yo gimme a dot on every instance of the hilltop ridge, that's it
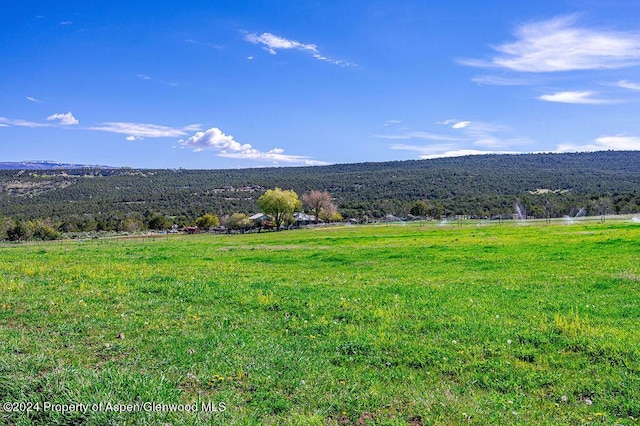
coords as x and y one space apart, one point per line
483 185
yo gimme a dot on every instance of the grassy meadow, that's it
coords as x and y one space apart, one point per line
391 325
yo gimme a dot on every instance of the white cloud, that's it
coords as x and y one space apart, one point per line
10 122
585 97
466 137
619 142
143 130
559 44
148 78
228 147
465 152
272 43
31 99
195 42
214 138
604 143
418 135
464 132
484 134
423 150
444 150
192 128
496 80
461 125
627 85
274 155
64 119
391 122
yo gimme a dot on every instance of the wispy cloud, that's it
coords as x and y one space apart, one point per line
496 80
211 139
391 122
423 150
272 43
485 134
442 151
198 43
463 131
66 23
137 131
461 125
148 78
560 44
604 143
10 122
585 97
465 152
64 119
466 137
31 99
226 146
408 135
627 85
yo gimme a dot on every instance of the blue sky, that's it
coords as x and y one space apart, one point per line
229 84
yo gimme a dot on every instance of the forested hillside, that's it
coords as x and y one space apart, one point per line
482 186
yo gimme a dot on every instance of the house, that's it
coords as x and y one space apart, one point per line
303 219
192 230
261 220
259 217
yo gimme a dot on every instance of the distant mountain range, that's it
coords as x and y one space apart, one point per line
483 186
47 165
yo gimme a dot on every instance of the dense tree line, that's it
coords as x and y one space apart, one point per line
545 185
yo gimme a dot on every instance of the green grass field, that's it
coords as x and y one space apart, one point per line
397 325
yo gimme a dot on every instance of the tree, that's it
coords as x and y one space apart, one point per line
43 230
329 213
279 204
130 224
5 225
436 209
319 201
159 222
239 221
207 221
335 217
20 232
419 208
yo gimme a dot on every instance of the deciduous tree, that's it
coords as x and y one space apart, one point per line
207 221
238 221
319 201
279 204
